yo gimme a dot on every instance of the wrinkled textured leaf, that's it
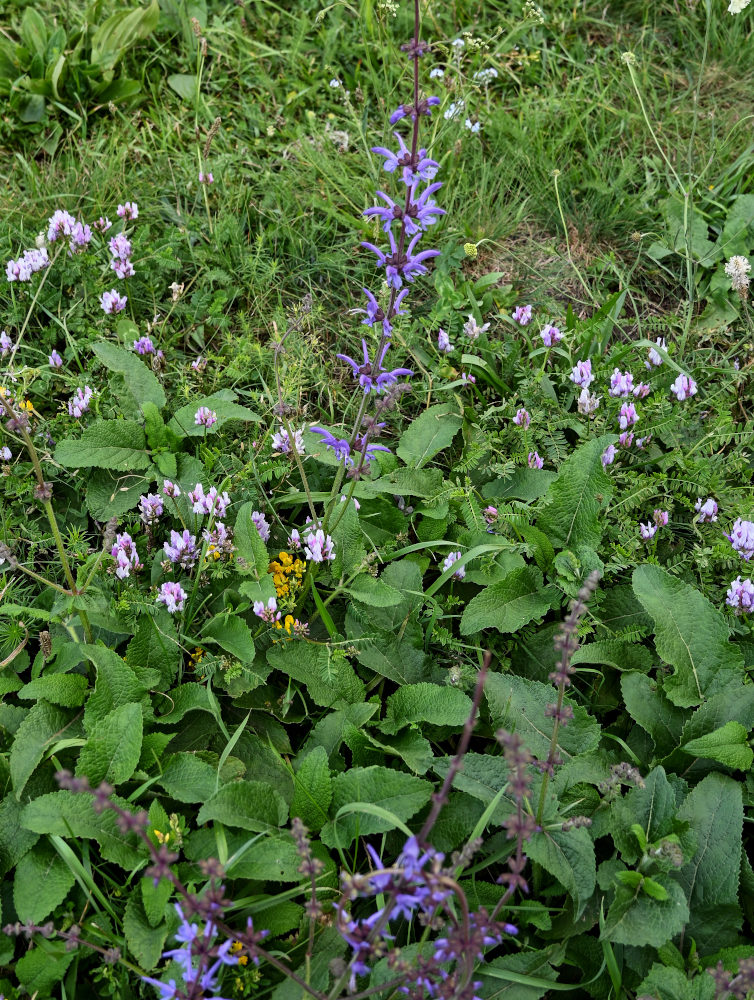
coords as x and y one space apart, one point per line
114 746
42 728
635 918
646 703
66 690
727 745
141 382
403 795
250 805
428 434
510 604
106 444
328 678
313 790
188 778
577 499
429 703
144 940
41 883
569 857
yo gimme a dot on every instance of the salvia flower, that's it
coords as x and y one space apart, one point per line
550 335
78 404
413 110
608 455
581 374
443 342
621 383
653 358
267 612
204 417
130 210
150 508
319 547
683 388
648 530
741 537
125 555
401 264
522 418
55 360
420 212
628 416
534 461
740 595
373 376
414 168
452 558
181 549
522 315
472 329
113 301
706 509
281 442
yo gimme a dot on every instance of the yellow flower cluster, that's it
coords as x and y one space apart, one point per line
287 574
234 950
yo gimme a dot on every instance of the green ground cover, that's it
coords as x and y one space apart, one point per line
595 162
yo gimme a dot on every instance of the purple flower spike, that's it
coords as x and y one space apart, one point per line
415 168
373 376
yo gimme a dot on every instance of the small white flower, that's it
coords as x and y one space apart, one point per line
334 83
736 6
436 73
738 269
472 126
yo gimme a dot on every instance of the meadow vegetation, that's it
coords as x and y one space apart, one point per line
377 508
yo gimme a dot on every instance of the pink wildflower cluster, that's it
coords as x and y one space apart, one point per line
79 402
319 547
211 502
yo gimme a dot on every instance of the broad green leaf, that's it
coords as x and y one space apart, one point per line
727 745
397 659
42 881
399 795
313 790
67 815
106 444
510 604
143 940
156 647
251 552
40 968
428 703
734 704
221 403
635 918
652 807
524 484
569 857
690 635
188 778
114 746
66 690
250 805
647 704
140 381
42 728
350 551
674 983
428 434
330 731
519 704
119 32
714 810
110 495
231 634
15 841
483 777
377 593
184 84
190 697
328 677
402 482
573 512
615 653
117 684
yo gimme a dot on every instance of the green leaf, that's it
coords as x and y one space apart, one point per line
518 704
510 604
674 984
106 444
734 704
191 697
400 795
222 403
41 883
635 918
40 968
647 704
714 810
313 790
251 552
66 690
615 653
524 484
654 889
727 745
328 677
429 703
651 807
15 841
156 647
232 634
574 507
690 635
377 593
250 805
110 495
188 778
117 684
423 483
428 434
141 382
114 747
44 726
350 552
569 857
145 941
67 815
184 84
119 32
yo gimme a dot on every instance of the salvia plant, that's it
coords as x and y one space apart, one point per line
420 667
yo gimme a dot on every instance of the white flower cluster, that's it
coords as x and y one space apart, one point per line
736 6
738 269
